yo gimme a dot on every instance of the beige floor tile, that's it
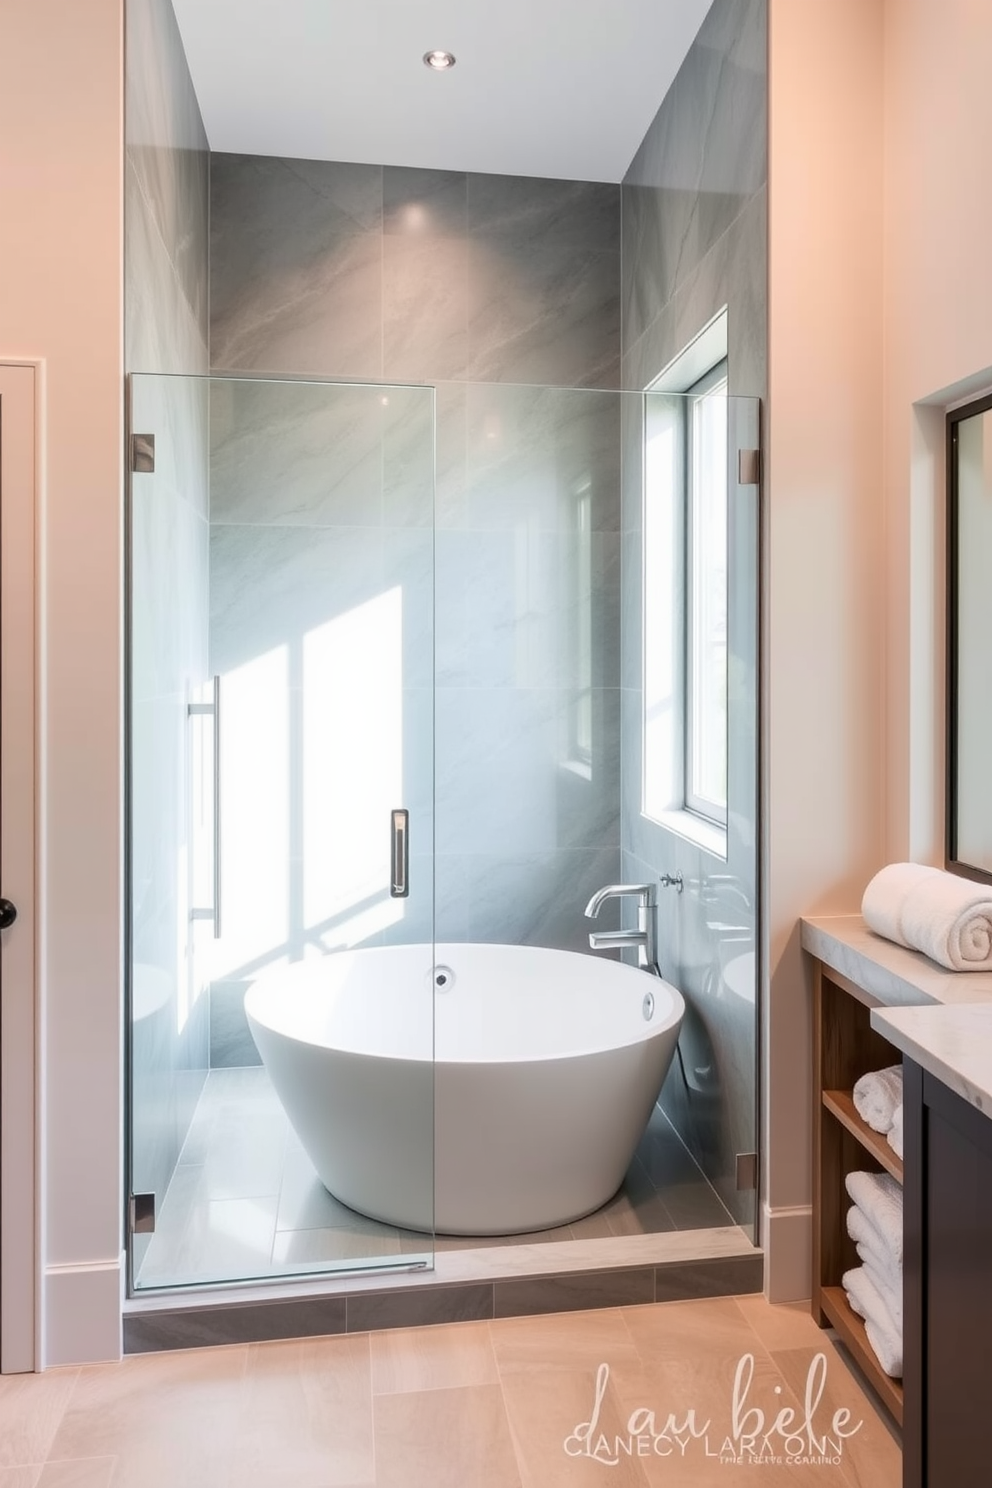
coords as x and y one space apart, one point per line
872 1457
561 1341
85 1472
168 1418
549 1415
31 1408
713 1327
433 1358
782 1325
444 1439
19 1477
306 1417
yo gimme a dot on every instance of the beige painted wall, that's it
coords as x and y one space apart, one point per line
823 599
938 347
880 315
61 159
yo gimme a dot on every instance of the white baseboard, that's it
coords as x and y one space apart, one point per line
787 1237
82 1314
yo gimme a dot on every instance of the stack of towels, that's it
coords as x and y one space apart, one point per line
874 1289
946 917
874 1223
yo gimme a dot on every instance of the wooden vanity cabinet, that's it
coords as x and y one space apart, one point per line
845 1046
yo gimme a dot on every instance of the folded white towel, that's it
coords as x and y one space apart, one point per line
887 1284
879 1197
871 1247
946 917
894 1134
884 1334
876 1096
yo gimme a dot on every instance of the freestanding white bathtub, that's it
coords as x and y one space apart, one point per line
472 1089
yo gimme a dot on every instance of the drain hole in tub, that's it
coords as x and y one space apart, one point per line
647 1006
443 978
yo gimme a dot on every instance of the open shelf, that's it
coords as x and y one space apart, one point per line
841 1105
851 1329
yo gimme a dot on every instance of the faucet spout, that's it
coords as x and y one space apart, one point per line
644 892
644 937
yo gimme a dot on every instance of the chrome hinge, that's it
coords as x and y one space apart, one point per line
749 467
143 454
141 1214
747 1170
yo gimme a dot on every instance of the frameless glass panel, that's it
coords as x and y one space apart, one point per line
282 887
694 528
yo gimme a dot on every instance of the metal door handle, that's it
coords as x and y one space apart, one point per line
399 856
8 914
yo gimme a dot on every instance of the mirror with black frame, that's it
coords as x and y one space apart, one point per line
969 634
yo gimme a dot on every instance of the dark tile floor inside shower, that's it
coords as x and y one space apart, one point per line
245 1201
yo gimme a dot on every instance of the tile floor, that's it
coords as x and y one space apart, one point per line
464 1405
245 1201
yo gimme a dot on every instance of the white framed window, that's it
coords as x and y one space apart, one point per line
684 609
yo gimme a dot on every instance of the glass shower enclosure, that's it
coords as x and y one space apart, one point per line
280 791
409 668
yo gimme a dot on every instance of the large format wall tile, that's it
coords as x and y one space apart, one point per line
167 151
543 314
296 266
703 158
514 607
353 271
694 241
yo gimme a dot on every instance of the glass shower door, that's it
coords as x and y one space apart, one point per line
281 763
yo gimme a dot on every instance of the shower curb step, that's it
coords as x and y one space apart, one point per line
205 1324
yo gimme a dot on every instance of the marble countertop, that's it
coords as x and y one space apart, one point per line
896 976
953 1043
941 1019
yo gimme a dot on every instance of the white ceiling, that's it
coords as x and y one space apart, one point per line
541 88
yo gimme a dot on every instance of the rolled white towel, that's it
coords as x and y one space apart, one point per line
946 917
879 1197
894 1134
950 920
886 894
876 1096
884 1334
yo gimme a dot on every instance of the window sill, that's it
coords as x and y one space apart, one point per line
705 834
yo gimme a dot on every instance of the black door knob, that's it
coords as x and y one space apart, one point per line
8 914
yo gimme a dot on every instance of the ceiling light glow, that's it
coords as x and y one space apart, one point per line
439 61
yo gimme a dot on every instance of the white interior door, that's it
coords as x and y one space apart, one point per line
18 1221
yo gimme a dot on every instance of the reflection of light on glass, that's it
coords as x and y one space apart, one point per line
658 611
352 768
581 751
255 803
491 426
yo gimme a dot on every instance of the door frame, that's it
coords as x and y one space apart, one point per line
20 1147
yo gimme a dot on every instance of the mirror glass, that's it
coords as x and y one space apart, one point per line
969 844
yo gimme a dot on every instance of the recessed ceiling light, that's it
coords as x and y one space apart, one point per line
439 61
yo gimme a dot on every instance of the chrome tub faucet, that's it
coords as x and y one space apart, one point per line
645 937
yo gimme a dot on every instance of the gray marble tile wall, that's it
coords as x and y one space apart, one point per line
503 294
394 274
694 206
166 332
